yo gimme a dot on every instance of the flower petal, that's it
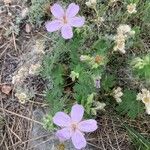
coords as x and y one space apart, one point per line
147 106
72 10
67 32
77 21
61 119
77 112
78 140
88 125
52 26
63 134
57 11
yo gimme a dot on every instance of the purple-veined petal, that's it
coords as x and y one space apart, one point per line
57 11
72 10
67 32
63 134
78 140
88 125
77 21
52 26
61 119
77 112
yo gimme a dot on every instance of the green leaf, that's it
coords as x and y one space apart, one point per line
57 75
143 70
101 46
108 82
37 11
90 99
54 98
130 105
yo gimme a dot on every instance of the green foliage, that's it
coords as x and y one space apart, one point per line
85 86
108 82
13 30
54 96
145 12
48 122
51 60
55 100
130 105
101 46
53 71
139 141
89 103
64 59
74 79
38 11
141 67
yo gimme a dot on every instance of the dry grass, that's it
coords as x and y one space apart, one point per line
113 136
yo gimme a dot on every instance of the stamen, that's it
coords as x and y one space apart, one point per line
65 19
98 59
74 126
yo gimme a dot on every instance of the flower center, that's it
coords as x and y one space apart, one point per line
74 127
131 7
65 19
98 59
146 100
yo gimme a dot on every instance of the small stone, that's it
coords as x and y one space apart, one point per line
28 28
7 2
6 89
24 12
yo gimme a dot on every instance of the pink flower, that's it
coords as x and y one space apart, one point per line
65 20
73 127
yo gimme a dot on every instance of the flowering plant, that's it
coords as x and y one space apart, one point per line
144 96
65 20
73 126
86 69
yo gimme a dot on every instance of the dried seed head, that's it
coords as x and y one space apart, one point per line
131 8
